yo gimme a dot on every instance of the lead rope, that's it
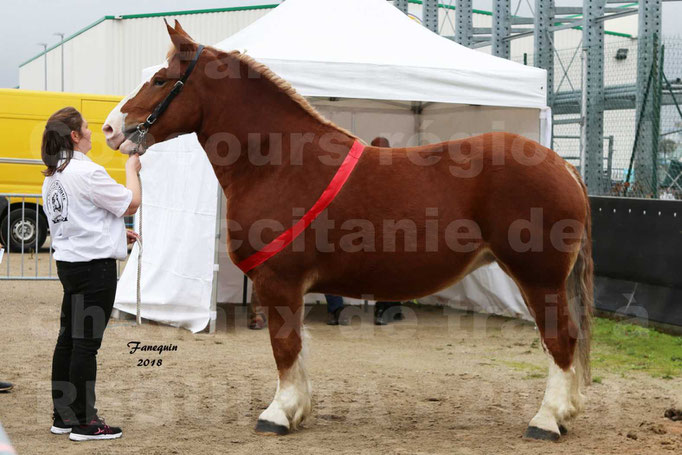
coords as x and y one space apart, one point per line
138 137
139 257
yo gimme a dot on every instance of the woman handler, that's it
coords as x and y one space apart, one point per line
85 209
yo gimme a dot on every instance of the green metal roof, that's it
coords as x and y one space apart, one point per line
243 8
195 11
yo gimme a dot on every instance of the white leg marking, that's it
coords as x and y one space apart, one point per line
293 399
562 400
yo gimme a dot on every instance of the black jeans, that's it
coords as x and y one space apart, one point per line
89 291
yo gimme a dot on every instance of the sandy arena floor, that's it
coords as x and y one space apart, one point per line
438 382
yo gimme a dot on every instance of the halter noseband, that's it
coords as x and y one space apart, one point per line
138 135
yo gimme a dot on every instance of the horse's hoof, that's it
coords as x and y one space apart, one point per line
264 426
563 430
539 433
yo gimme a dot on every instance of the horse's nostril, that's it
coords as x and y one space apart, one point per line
108 131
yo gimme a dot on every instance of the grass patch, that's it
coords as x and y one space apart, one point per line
535 376
620 347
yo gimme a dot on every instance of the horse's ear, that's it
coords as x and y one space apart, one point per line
178 36
179 29
170 29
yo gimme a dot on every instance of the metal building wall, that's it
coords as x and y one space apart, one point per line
207 28
86 62
109 57
31 75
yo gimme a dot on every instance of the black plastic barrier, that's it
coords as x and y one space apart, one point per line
637 250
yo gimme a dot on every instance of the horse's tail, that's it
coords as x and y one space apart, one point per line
580 287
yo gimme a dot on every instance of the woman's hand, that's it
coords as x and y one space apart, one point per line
133 163
133 167
132 236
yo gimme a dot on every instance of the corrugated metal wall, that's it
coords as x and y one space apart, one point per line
132 58
109 57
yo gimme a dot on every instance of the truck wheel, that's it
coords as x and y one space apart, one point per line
23 229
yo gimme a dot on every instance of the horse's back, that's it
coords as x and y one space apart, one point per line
473 176
443 208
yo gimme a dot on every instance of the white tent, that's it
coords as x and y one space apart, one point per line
368 49
367 67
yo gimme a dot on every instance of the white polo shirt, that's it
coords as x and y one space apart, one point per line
84 208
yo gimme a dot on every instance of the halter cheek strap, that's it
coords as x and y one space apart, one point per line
326 198
141 130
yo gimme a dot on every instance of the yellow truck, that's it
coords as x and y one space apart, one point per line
23 114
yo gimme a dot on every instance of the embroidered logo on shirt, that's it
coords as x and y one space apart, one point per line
57 203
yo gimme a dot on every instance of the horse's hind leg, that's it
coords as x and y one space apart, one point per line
292 401
562 400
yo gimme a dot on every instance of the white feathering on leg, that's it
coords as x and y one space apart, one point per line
562 400
293 399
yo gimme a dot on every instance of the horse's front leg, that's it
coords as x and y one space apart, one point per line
292 402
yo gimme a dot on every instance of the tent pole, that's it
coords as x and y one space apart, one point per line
417 110
245 290
216 263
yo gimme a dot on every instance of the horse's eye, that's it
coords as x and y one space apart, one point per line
159 82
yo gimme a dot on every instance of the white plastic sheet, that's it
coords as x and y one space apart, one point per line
179 191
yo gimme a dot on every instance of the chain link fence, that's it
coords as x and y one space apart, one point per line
670 144
642 150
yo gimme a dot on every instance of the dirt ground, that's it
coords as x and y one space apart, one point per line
439 382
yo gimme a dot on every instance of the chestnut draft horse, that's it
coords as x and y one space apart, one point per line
387 224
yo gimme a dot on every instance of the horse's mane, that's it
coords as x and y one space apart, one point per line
285 87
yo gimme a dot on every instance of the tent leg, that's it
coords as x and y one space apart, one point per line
216 263
417 110
245 289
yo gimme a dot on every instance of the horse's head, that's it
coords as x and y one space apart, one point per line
130 125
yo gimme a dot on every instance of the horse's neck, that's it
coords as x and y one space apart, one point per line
270 147
279 150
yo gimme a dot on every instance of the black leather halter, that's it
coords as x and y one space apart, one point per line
138 134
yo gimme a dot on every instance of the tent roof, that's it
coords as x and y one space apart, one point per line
368 49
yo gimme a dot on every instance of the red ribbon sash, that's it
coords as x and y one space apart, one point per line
322 203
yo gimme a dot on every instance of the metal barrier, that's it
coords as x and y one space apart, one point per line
21 235
23 229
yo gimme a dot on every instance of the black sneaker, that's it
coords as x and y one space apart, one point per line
96 429
61 426
379 319
6 386
337 317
